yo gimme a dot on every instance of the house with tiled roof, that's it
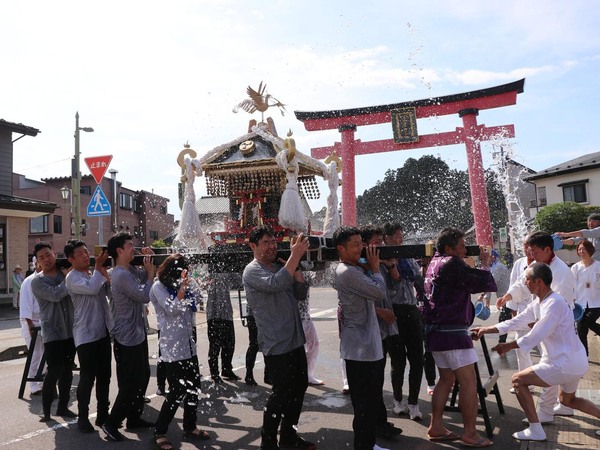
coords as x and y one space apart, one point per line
15 211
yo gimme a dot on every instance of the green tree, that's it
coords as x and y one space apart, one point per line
566 216
426 195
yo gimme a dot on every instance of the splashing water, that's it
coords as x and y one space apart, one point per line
510 178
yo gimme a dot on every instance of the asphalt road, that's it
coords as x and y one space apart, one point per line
232 413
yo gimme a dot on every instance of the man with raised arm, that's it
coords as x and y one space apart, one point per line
448 314
91 325
130 288
361 346
269 293
56 317
592 234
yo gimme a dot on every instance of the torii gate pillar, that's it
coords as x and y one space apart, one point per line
349 181
479 198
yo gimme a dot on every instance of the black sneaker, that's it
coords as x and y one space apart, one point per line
112 433
230 375
45 418
138 423
250 381
387 430
85 426
296 442
66 413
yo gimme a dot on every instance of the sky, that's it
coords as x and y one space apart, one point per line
150 76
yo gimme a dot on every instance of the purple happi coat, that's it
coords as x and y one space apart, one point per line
448 310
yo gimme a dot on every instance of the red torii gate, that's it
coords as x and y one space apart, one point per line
403 117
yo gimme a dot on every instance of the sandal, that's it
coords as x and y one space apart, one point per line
196 433
162 443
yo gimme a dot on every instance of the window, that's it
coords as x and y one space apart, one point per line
136 231
137 206
38 225
57 224
542 199
125 201
575 191
153 234
163 209
87 190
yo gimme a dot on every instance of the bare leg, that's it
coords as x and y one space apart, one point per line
579 403
468 402
521 382
438 402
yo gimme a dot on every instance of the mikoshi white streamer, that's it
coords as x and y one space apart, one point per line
332 214
190 230
291 210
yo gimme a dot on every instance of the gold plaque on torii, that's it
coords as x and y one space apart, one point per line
404 124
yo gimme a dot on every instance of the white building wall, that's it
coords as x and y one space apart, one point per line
554 192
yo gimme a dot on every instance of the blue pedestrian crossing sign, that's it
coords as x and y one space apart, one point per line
99 204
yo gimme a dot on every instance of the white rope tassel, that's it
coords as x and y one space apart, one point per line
332 215
190 231
291 210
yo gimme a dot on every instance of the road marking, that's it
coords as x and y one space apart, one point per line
325 312
33 434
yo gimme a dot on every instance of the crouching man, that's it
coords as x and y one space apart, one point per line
564 362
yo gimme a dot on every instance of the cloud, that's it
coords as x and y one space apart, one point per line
482 77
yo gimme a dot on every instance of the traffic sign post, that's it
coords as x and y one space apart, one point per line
99 205
98 166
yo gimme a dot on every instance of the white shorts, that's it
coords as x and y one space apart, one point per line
554 376
455 359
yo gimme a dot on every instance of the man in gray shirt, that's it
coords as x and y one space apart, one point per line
56 318
91 325
130 288
360 340
269 293
592 234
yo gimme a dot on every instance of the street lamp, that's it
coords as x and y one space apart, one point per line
76 177
65 193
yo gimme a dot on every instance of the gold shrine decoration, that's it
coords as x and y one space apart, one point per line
404 124
290 145
181 159
260 100
247 148
338 161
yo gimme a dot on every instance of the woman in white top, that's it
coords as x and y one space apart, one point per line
175 305
587 290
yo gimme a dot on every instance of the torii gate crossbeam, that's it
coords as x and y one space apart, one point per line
467 105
